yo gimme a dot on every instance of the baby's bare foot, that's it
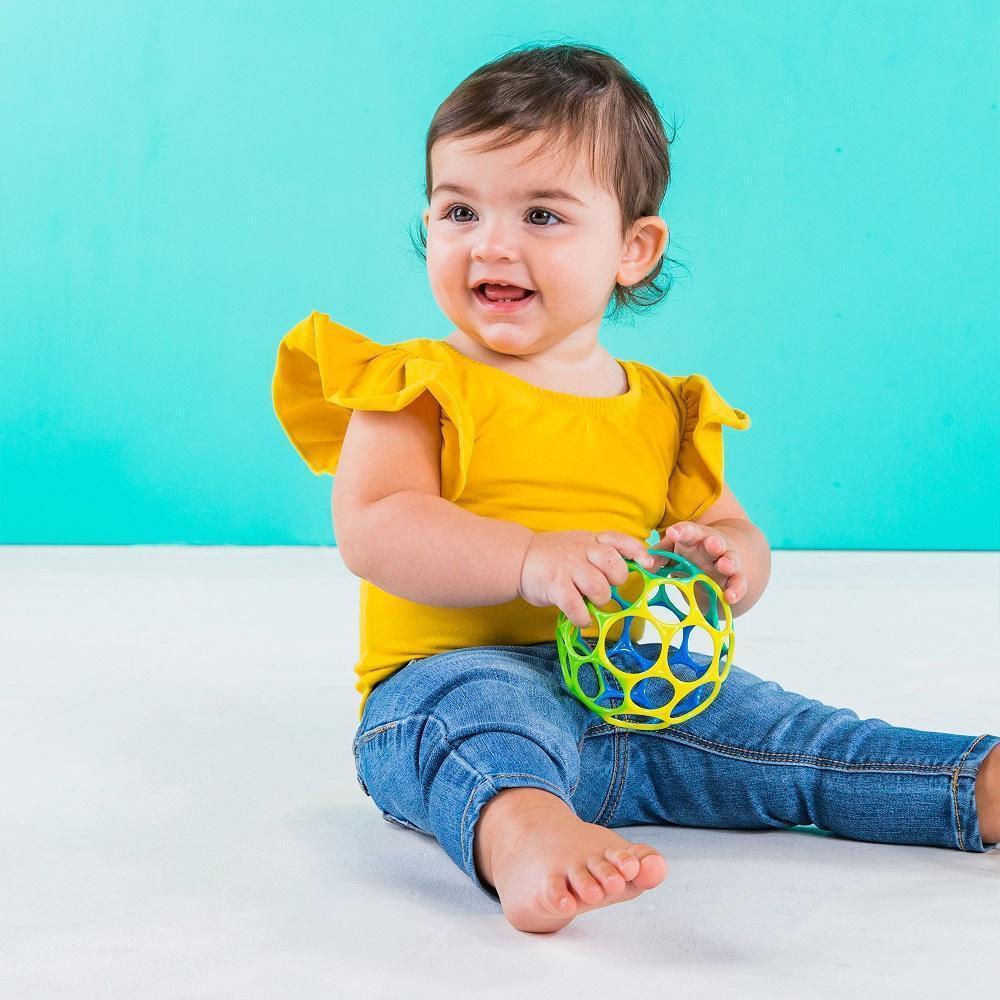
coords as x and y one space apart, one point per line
548 865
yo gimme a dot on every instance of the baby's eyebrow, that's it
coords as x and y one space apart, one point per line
548 194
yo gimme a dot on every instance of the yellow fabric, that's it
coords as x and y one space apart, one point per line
549 460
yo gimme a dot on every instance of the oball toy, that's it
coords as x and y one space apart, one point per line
616 681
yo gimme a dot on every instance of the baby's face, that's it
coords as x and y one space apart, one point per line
499 227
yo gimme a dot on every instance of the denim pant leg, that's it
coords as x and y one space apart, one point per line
760 756
444 734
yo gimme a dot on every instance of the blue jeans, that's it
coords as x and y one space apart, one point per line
444 734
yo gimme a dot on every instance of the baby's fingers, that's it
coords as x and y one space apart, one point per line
628 548
684 533
570 601
713 541
736 588
729 563
687 533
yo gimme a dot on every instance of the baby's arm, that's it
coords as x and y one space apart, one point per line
395 529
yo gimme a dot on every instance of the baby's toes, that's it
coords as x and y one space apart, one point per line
605 872
652 866
587 888
624 860
556 896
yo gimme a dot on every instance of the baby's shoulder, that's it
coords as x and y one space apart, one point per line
694 396
325 370
659 387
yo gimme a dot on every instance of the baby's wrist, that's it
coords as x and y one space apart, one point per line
528 539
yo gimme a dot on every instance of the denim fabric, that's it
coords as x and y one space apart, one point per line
445 733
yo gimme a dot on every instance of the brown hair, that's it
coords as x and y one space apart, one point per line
587 100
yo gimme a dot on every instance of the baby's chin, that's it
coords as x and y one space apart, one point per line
500 337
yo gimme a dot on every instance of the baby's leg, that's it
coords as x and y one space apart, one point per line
480 748
760 756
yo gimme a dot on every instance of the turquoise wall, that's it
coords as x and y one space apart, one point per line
181 183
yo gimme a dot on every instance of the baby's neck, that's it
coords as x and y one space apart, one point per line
596 374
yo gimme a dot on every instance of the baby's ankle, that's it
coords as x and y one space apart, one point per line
988 797
499 818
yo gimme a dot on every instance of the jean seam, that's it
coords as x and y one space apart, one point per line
369 733
405 824
615 744
954 789
769 756
624 778
598 729
357 770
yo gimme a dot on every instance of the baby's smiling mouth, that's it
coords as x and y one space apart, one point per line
502 292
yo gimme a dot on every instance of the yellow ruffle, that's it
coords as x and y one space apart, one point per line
325 370
697 479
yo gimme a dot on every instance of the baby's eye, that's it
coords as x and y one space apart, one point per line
454 208
542 211
450 215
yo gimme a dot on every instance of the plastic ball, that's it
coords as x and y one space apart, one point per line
616 681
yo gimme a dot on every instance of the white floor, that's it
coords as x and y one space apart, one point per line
181 818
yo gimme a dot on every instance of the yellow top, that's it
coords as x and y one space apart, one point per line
511 450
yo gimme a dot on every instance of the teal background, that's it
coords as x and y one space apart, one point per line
181 183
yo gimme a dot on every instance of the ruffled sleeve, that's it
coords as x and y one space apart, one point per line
697 477
325 370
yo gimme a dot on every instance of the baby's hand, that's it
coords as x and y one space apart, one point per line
712 551
561 568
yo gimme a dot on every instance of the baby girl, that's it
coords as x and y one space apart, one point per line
489 480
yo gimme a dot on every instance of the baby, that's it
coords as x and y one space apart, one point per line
488 480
